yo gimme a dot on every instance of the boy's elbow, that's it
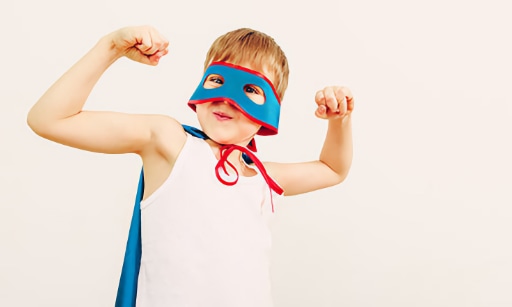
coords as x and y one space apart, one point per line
31 121
343 170
338 173
341 176
36 123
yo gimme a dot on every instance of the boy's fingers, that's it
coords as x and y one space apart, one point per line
164 46
152 46
154 59
345 92
144 41
160 43
350 104
332 102
321 112
319 98
151 42
342 105
348 97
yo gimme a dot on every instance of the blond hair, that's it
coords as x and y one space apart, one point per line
248 45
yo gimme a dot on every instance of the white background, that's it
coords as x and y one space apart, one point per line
424 218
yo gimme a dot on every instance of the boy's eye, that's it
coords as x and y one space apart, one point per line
213 81
217 80
255 93
251 89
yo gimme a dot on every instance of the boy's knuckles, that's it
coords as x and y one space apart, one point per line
332 104
319 98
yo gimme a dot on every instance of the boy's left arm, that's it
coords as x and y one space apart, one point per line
335 104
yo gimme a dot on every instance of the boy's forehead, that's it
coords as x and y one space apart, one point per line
262 69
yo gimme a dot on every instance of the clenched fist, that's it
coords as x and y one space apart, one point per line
334 102
143 44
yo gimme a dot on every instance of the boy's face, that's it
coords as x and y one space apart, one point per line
225 123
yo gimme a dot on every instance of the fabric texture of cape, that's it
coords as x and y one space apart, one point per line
127 289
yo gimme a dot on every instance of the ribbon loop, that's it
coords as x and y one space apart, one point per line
221 164
225 151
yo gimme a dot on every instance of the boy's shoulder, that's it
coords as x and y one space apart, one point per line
168 136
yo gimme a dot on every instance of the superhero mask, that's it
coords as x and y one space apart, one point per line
236 78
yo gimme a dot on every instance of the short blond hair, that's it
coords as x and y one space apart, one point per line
258 48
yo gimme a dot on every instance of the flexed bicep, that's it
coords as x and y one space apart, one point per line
104 132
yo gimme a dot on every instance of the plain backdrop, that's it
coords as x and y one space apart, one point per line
424 218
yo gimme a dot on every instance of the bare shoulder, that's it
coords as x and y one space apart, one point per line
168 136
167 140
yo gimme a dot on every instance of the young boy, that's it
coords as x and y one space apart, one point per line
205 239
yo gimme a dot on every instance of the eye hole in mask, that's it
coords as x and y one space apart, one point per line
213 81
253 92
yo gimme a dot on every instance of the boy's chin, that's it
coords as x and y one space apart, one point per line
228 138
222 140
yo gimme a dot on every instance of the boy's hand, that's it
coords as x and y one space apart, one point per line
143 44
334 102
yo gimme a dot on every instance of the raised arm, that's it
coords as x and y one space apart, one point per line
58 115
335 104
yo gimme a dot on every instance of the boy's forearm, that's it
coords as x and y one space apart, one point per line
337 149
68 94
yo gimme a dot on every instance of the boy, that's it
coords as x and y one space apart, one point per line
205 240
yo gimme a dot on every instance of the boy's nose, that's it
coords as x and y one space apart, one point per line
226 102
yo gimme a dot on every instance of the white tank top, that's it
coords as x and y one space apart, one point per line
205 244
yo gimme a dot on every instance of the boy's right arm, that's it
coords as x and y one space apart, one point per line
58 115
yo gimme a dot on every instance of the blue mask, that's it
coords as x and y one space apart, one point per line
233 91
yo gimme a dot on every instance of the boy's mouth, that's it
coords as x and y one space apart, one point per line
222 116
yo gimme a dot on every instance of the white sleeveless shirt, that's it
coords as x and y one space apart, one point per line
205 244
